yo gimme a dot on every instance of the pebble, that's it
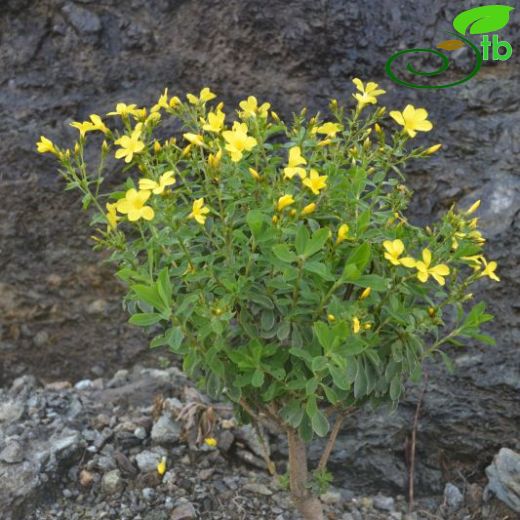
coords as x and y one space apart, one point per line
166 430
84 384
185 511
384 503
147 460
13 453
257 488
112 482
331 497
453 497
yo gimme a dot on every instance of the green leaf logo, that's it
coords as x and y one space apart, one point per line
480 20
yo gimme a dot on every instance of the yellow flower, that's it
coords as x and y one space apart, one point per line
205 95
473 208
329 129
356 325
293 165
130 145
214 159
215 121
199 211
133 205
310 208
111 215
195 139
412 119
315 182
210 441
83 128
45 145
275 116
254 174
275 219
394 249
365 294
123 110
342 233
97 124
161 467
166 179
367 94
489 270
331 317
250 108
156 146
433 149
438 272
284 201
237 141
161 103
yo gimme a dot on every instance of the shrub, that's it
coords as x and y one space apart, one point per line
276 259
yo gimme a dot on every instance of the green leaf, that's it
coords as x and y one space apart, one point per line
319 363
305 429
317 242
145 319
448 363
484 19
339 377
258 378
320 424
374 281
267 319
283 253
360 256
395 388
149 295
261 299
302 237
174 337
283 331
164 287
360 383
255 220
324 334
350 274
320 269
292 413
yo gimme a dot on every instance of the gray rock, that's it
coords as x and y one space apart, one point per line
149 494
13 452
453 497
112 483
257 488
332 496
384 503
504 478
166 430
83 20
84 384
185 511
11 411
147 460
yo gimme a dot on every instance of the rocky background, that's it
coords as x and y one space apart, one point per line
60 315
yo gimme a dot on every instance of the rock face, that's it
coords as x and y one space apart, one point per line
64 60
504 478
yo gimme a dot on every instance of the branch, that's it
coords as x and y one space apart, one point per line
332 437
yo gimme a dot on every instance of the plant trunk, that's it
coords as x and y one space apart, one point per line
307 504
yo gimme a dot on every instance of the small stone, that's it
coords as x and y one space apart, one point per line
41 338
57 386
67 493
97 307
453 497
84 384
184 512
112 482
504 478
148 494
204 474
83 20
384 503
13 453
366 502
120 378
140 433
147 460
257 488
225 440
331 497
166 430
11 411
86 478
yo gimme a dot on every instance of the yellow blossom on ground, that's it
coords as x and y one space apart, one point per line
111 215
161 103
254 174
489 270
250 108
310 208
199 211
315 182
210 441
215 121
412 119
130 145
166 179
45 145
195 139
356 325
161 467
394 249
438 272
367 94
284 201
342 233
473 208
329 129
133 205
294 164
365 293
214 159
124 110
432 149
237 141
204 95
